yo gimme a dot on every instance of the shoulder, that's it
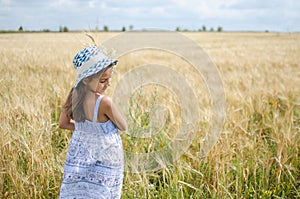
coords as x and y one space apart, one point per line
106 102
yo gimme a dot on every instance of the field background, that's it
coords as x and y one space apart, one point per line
257 155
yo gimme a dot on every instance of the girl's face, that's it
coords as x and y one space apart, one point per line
100 84
104 81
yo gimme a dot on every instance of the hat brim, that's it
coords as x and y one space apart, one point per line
95 69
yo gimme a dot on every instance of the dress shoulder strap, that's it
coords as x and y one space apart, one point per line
97 108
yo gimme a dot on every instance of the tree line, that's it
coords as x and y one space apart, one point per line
107 29
204 29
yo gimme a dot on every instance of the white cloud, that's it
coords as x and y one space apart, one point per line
61 3
92 3
5 2
4 6
191 14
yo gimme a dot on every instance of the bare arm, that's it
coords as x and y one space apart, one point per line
65 122
113 114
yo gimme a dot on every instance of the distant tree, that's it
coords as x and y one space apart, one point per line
131 27
123 29
20 29
220 29
203 28
177 29
46 30
65 29
105 28
211 29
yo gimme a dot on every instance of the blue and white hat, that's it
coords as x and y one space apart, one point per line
90 61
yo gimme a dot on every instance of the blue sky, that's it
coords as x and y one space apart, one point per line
231 15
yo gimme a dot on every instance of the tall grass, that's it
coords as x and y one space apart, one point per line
257 155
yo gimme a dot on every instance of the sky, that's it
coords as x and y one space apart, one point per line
231 15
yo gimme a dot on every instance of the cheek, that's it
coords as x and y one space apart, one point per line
93 85
100 86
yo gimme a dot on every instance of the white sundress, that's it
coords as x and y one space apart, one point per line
94 165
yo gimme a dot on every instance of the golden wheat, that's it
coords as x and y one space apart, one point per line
257 154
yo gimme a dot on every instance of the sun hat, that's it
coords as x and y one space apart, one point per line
90 61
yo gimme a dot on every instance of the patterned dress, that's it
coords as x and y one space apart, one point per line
95 161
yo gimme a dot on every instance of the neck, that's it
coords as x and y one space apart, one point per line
93 92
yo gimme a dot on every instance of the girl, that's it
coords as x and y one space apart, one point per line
95 162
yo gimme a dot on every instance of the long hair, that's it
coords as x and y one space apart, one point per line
68 104
76 97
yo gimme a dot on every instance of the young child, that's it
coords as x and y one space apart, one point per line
95 161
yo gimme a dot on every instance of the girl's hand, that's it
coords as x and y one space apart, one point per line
65 122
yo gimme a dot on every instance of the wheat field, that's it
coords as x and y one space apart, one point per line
256 156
